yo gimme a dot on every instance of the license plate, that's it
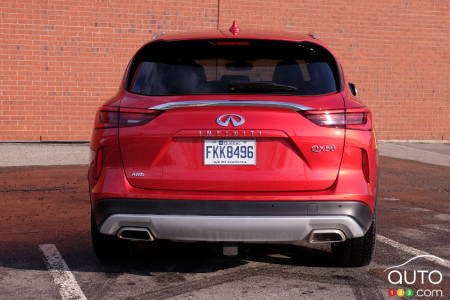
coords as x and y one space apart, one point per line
229 152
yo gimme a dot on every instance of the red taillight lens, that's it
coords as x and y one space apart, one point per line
356 118
326 118
108 117
127 119
350 118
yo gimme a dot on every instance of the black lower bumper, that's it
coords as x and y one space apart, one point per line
357 210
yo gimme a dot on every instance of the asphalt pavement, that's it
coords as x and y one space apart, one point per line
46 154
45 249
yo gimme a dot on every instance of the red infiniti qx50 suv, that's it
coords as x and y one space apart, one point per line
235 137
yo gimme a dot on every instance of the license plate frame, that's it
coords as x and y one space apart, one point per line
243 152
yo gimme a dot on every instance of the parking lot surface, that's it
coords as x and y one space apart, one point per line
44 154
45 249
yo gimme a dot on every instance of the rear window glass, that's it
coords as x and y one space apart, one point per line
233 67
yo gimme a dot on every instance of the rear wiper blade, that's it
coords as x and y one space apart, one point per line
259 86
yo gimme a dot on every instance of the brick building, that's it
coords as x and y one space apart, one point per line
60 59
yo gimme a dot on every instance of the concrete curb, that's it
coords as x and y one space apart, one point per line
44 154
435 154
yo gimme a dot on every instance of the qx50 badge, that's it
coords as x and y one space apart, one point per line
323 148
224 120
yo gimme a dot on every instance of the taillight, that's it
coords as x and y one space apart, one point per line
112 117
107 117
349 118
136 117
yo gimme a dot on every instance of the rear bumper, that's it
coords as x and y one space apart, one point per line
240 221
232 228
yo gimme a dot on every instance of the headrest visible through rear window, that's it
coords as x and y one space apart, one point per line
185 78
288 72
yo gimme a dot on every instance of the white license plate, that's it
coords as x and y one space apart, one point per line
229 152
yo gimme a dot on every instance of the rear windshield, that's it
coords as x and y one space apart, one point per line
233 67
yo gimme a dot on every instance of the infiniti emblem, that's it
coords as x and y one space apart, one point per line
225 119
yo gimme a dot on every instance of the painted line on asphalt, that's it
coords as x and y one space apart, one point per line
413 251
62 276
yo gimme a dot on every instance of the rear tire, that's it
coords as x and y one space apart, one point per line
107 248
356 252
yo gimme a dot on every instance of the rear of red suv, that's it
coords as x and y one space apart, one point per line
234 138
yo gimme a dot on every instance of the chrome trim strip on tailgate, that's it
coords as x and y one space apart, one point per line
288 105
232 228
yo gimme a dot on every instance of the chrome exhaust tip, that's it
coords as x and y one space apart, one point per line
135 234
326 236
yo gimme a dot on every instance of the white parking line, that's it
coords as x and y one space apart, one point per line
69 288
63 278
413 251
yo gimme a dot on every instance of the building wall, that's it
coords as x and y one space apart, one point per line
60 59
